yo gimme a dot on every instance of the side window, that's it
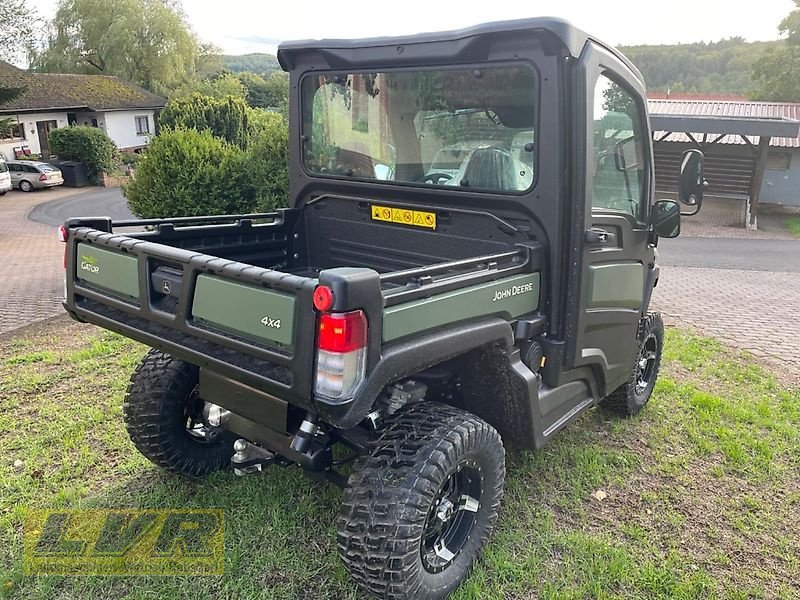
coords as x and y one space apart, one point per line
619 155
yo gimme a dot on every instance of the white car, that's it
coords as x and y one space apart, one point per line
5 178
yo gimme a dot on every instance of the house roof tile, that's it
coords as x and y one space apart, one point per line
50 91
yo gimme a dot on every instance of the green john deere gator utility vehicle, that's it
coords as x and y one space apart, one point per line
466 266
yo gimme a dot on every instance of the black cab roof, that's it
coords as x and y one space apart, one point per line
345 52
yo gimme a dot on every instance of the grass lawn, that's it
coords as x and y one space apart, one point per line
702 490
793 225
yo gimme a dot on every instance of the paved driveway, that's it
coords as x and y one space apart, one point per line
743 292
32 268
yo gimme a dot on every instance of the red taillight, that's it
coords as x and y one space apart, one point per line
341 354
342 332
42 177
323 298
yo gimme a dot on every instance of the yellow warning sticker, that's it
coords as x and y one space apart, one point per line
404 216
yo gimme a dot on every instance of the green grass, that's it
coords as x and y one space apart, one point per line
793 225
702 491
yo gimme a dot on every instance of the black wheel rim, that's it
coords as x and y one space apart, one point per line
195 427
646 364
452 517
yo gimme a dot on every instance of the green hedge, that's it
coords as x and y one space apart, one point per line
227 118
268 160
90 145
189 173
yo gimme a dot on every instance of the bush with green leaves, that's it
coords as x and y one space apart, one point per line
89 145
226 118
186 172
268 159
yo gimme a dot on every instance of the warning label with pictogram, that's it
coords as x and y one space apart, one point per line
404 216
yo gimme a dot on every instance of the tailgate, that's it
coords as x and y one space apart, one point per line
249 323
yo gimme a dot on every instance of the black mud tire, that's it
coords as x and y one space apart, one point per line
628 399
394 490
154 413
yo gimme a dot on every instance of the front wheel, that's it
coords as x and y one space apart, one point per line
632 395
419 509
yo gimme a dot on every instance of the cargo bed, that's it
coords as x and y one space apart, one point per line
235 293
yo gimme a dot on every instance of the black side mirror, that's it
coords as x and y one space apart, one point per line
692 185
666 218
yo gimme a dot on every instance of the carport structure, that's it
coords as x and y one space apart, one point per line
732 169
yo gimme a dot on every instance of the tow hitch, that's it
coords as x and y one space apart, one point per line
249 458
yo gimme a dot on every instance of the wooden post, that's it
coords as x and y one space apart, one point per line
758 180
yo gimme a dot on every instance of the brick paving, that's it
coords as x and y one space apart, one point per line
757 311
31 261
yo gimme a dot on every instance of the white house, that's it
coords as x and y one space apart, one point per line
125 111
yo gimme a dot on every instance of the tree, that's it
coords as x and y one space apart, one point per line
271 93
216 86
7 94
778 70
144 41
227 118
19 25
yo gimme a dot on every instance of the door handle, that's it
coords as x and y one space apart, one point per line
596 236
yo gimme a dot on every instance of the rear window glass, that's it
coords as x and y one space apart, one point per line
456 127
47 168
3 167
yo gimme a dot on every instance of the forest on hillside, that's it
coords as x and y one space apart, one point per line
259 63
723 67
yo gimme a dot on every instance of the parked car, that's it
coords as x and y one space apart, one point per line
29 175
5 178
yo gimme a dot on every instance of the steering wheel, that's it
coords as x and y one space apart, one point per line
436 178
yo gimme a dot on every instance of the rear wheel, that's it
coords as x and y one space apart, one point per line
419 509
632 395
26 186
163 415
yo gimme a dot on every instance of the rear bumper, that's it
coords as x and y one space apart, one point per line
5 186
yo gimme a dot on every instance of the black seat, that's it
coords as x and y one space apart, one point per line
490 168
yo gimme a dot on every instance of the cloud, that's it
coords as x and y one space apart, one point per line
257 39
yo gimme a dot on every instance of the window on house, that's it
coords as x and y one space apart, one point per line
779 161
15 131
142 125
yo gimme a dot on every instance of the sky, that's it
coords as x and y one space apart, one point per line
242 26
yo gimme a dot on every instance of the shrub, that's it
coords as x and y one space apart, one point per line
186 172
227 118
89 145
268 159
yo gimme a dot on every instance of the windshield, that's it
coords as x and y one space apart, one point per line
457 127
